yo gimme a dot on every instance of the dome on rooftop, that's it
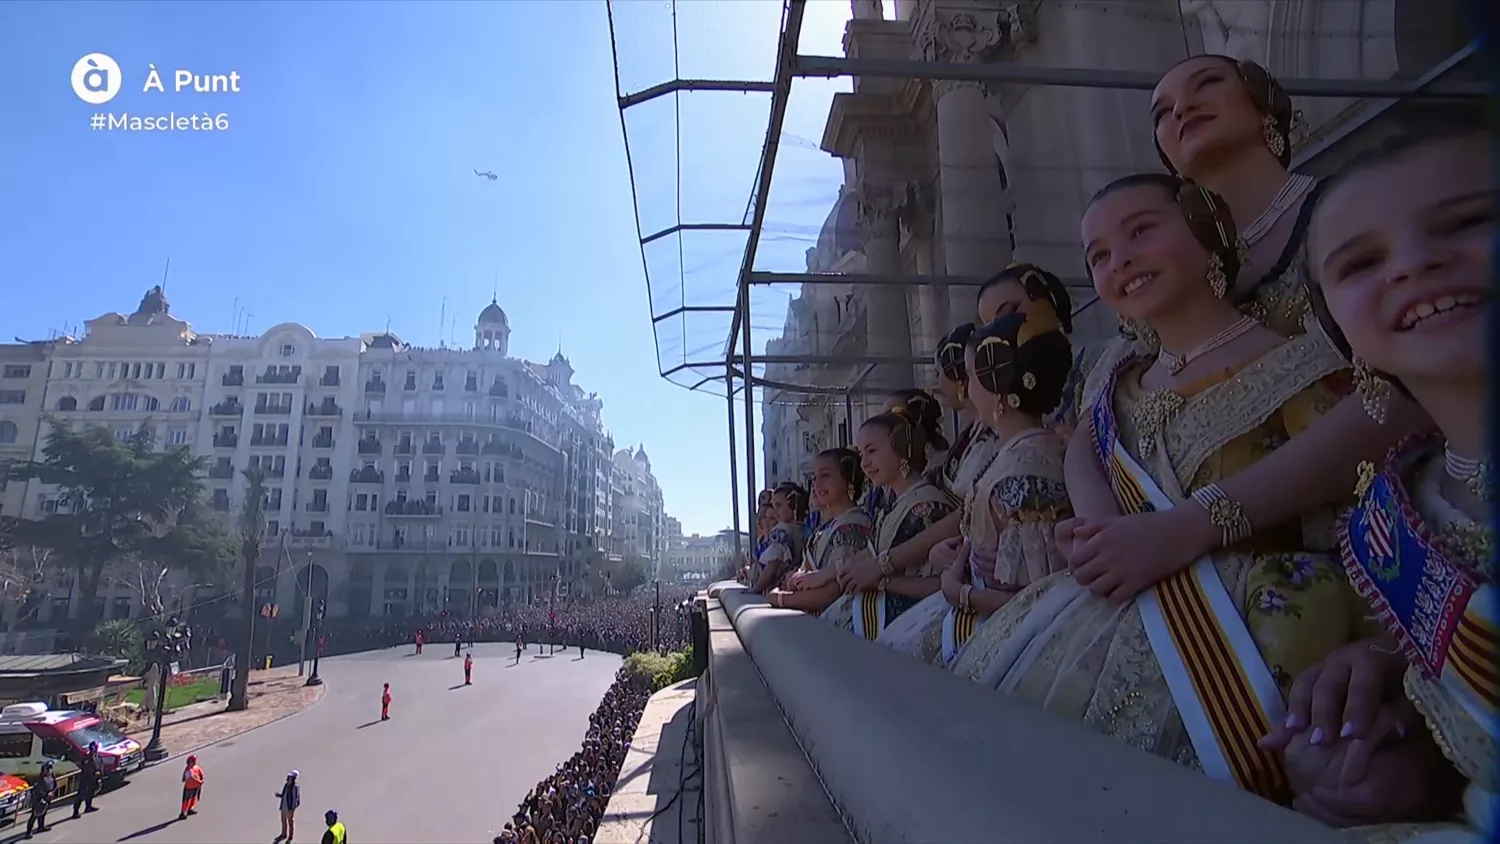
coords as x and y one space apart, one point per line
493 313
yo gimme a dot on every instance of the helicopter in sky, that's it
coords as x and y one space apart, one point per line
491 176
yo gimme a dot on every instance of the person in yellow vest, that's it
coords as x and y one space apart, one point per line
336 833
192 788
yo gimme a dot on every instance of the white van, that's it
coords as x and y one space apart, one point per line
30 734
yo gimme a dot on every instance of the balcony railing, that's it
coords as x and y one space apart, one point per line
403 477
369 446
374 385
309 539
317 506
415 509
227 408
221 472
280 377
501 449
327 408
329 379
464 476
226 440
467 447
275 471
321 441
269 441
477 418
430 477
437 385
274 409
366 476
320 472
232 379
471 386
410 386
499 391
404 447
432 447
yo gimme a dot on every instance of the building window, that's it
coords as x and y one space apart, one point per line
12 396
67 403
181 405
124 401
288 350
176 436
8 432
181 370
123 434
13 370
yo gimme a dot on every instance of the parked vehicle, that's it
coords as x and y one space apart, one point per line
30 734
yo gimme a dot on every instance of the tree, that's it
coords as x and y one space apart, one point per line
23 579
118 500
169 569
252 538
120 638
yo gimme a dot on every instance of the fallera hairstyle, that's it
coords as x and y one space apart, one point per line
847 459
950 353
1024 361
795 496
1040 286
1207 214
925 412
908 439
1392 149
1266 95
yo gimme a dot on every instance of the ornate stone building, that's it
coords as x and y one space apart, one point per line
960 178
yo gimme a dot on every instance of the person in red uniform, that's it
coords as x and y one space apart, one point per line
385 703
420 639
468 669
192 788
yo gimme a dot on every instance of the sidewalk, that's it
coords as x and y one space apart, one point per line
273 695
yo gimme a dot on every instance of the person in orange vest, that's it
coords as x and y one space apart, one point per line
192 788
385 703
468 669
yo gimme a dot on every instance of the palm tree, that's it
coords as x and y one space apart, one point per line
252 536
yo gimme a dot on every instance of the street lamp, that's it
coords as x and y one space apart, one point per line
316 633
163 647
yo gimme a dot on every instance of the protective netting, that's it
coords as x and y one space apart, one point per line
695 156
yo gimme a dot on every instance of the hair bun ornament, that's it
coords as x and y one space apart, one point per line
1212 224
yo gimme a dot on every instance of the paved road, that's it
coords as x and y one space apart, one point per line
449 766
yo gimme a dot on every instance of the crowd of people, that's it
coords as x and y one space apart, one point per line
566 807
1248 534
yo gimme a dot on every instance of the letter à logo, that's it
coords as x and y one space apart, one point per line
96 78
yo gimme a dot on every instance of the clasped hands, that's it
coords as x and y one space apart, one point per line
1119 557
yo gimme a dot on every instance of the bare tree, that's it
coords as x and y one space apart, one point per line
154 585
252 538
23 572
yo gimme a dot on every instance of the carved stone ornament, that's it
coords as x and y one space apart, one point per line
879 206
1019 20
962 36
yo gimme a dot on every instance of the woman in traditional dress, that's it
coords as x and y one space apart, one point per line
925 411
1118 643
1017 367
1016 289
783 545
765 520
843 528
1401 267
893 454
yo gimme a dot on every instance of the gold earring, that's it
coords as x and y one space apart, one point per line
1275 141
1028 380
1218 280
905 469
1374 391
1013 400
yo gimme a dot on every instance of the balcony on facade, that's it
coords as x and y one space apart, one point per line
232 379
328 407
497 448
329 379
221 471
410 384
369 445
437 384
228 407
404 447
499 390
468 447
273 409
414 508
316 506
432 447
274 471
269 441
366 476
226 439
403 477
309 539
375 385
471 385
320 472
290 376
321 440
464 476
430 477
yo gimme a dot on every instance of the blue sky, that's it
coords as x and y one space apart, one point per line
342 195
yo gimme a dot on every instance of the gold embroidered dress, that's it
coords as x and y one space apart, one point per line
903 518
1009 519
1086 659
836 540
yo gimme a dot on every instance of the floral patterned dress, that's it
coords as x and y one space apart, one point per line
904 517
1009 518
836 540
1088 660
783 548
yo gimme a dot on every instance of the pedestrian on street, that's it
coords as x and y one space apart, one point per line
192 788
336 833
385 703
42 792
458 644
89 771
580 647
520 646
468 669
420 639
291 797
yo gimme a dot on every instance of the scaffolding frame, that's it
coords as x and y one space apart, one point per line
739 358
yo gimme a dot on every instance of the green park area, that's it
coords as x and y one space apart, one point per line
178 696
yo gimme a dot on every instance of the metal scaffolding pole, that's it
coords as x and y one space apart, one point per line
786 53
865 279
734 465
1131 80
665 88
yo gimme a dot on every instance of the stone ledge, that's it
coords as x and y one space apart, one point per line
912 753
646 806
